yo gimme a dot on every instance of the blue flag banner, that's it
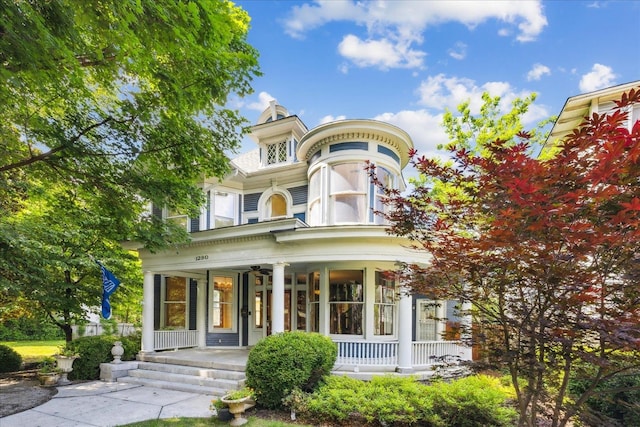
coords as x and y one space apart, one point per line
109 285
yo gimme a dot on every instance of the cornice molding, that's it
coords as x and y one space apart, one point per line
353 136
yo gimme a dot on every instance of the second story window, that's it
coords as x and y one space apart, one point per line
276 153
386 179
277 206
224 209
348 191
177 217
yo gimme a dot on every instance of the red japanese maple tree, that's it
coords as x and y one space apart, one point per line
547 252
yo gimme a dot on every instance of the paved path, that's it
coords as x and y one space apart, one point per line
106 404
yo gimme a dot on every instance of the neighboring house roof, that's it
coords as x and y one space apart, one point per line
576 108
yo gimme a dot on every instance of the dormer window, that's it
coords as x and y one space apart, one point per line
277 206
276 153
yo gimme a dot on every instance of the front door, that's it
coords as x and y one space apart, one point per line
261 296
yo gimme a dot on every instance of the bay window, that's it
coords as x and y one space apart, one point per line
384 305
348 193
346 302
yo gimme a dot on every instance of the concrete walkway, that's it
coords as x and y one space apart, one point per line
107 404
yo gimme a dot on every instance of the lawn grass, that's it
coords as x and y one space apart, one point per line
208 422
35 351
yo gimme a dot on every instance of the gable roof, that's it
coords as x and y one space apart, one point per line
576 108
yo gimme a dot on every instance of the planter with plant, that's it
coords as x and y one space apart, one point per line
220 409
48 372
239 401
64 360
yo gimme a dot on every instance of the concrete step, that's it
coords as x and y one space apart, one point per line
171 358
160 375
170 385
192 370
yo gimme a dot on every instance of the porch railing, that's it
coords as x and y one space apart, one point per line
174 339
367 353
431 352
424 353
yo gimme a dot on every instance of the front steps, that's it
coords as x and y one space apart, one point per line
204 377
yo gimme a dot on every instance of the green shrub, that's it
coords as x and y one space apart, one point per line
29 329
389 400
94 350
280 363
10 360
616 402
473 401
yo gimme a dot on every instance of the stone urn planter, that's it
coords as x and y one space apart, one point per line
238 401
65 364
48 372
48 379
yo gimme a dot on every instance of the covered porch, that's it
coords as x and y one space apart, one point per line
179 347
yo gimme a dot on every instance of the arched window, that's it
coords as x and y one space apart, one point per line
274 204
277 206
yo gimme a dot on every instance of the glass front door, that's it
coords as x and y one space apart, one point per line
261 307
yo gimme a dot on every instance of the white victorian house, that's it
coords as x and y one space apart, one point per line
289 241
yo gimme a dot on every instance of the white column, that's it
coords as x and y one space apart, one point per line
201 311
404 331
277 298
441 323
466 330
147 313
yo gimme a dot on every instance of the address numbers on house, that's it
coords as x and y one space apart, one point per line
202 257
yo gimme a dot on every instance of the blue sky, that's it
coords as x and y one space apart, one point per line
405 62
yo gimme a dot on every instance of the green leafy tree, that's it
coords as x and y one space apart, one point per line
546 250
107 108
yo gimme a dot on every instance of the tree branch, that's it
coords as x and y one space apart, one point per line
44 156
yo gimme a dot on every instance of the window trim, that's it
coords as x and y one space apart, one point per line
233 303
263 204
164 302
362 304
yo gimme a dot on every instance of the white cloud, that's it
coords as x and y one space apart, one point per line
329 118
400 24
459 51
262 103
425 129
601 76
537 72
383 53
441 92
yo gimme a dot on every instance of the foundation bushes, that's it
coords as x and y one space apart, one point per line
10 360
94 350
287 361
469 402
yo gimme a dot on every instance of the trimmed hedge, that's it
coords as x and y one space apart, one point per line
10 360
476 401
95 350
283 362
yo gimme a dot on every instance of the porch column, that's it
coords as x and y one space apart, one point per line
405 330
147 313
277 301
466 325
201 312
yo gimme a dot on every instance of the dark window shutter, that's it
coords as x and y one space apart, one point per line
156 210
193 304
157 300
195 224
